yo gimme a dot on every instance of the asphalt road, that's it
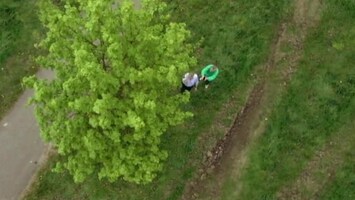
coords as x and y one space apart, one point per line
20 146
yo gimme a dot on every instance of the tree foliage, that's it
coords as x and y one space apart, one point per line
111 99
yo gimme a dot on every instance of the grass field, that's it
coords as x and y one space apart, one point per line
319 101
20 29
343 185
330 172
236 35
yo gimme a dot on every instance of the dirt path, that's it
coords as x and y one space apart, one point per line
20 147
225 161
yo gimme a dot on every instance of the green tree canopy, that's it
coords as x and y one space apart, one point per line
111 99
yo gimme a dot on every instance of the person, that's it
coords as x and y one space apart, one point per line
208 74
189 80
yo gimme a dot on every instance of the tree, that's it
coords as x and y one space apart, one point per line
112 96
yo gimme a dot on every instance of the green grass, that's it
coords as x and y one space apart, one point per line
320 99
331 176
237 35
343 186
20 29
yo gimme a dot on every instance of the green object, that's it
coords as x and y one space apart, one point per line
111 100
210 75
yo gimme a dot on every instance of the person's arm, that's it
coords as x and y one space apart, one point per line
196 80
205 70
185 76
211 78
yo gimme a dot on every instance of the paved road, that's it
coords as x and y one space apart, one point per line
20 146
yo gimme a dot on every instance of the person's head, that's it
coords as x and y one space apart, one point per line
214 68
190 76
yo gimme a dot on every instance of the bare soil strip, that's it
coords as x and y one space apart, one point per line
228 156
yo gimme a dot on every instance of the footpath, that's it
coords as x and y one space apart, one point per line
21 148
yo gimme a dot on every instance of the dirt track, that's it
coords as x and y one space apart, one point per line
228 157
